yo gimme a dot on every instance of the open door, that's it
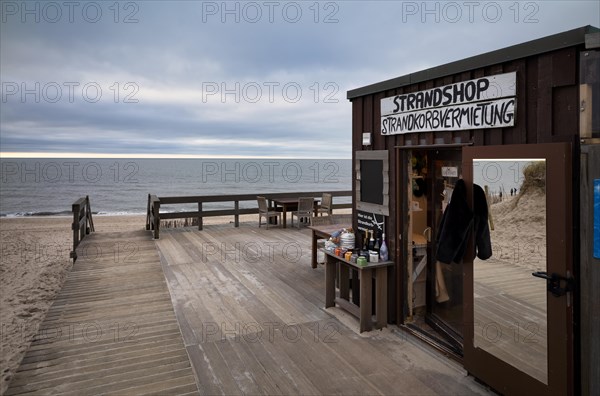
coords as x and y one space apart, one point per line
433 289
518 303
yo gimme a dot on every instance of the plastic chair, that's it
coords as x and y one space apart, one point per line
305 210
325 206
263 211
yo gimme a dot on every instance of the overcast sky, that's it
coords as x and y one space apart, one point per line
227 79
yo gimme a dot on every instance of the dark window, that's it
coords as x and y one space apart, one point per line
371 183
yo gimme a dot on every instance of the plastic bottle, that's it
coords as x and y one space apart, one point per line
383 250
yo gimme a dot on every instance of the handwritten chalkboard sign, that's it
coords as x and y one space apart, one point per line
370 222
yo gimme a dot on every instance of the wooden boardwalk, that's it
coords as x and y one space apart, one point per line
251 311
510 316
112 329
245 305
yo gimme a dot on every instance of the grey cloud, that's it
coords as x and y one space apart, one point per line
174 48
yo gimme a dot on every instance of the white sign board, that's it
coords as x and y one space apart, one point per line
449 171
472 104
494 114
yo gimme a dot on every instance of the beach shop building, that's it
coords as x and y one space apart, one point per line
481 174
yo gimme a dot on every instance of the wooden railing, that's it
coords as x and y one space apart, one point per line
83 223
154 216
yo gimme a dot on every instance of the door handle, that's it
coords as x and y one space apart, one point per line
427 234
555 282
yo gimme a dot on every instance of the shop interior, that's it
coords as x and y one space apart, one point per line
434 298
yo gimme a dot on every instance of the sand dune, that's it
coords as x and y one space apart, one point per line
519 234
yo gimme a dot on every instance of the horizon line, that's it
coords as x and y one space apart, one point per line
32 154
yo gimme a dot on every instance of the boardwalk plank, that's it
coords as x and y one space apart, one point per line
207 379
112 327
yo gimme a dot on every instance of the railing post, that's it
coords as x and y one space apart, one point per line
89 212
148 214
83 216
82 213
237 213
75 227
200 218
156 209
82 229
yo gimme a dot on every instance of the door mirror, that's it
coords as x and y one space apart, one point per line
510 307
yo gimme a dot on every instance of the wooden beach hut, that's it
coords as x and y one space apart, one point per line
523 124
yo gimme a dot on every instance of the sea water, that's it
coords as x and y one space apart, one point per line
121 186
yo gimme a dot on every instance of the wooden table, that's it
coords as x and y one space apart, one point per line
364 310
323 232
291 203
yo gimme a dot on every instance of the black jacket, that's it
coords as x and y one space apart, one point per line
455 227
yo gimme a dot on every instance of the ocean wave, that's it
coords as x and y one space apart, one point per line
121 213
68 213
31 214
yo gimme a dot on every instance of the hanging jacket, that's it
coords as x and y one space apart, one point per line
455 226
